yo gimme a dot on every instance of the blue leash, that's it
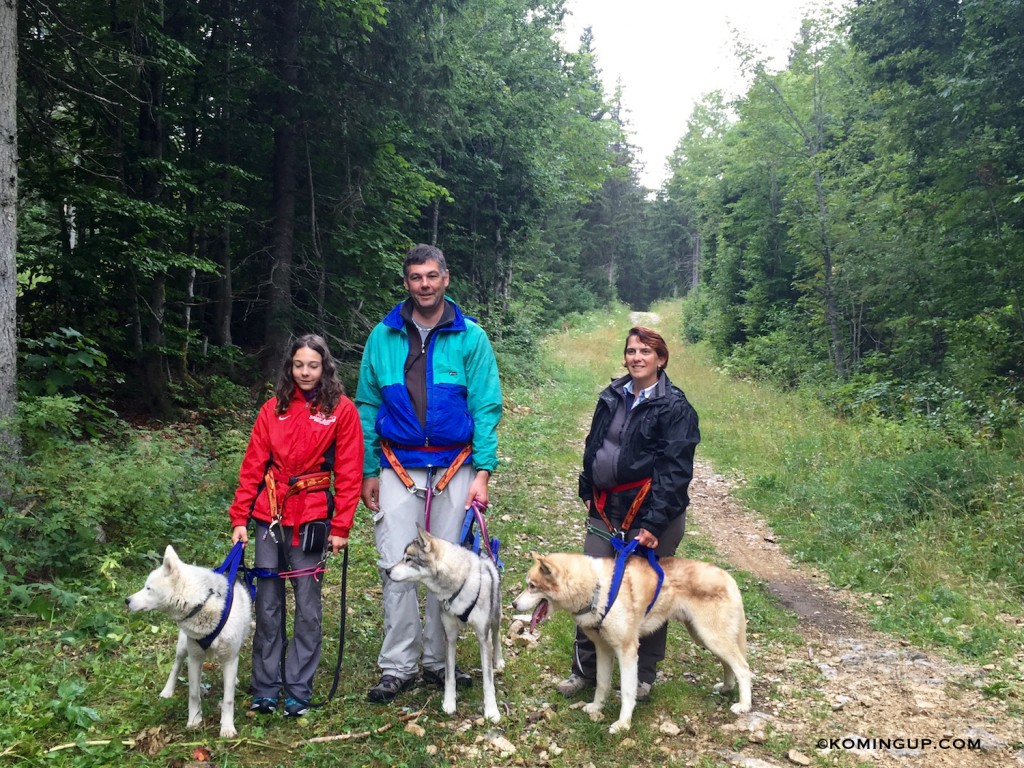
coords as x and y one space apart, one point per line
229 568
472 540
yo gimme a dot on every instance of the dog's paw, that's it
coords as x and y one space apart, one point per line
493 715
620 726
740 709
499 665
228 732
195 723
720 688
594 710
448 707
167 693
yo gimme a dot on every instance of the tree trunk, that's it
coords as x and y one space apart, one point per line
280 312
9 444
154 370
222 240
695 266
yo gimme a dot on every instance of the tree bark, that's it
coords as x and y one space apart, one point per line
155 373
9 444
280 313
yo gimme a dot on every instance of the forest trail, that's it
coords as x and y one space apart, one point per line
872 686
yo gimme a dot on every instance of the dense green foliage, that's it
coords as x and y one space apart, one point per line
202 177
859 214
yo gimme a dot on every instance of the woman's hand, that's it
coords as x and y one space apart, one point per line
338 543
240 534
647 539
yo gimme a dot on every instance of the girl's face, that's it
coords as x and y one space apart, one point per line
642 362
307 368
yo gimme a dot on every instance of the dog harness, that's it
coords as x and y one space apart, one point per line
228 568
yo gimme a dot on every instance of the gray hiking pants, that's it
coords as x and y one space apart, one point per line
652 647
406 638
302 654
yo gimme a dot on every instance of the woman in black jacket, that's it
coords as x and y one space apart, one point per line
637 466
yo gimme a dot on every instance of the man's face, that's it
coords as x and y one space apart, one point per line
426 285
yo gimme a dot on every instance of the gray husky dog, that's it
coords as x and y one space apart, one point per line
194 597
469 590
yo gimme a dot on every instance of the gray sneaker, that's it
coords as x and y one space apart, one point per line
573 684
643 691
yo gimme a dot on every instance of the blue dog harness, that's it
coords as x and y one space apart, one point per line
229 568
624 551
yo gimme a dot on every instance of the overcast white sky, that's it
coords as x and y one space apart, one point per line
668 53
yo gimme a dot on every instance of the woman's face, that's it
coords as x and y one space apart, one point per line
307 368
642 362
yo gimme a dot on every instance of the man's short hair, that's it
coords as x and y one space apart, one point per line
421 254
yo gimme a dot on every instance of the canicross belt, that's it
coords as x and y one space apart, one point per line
314 481
406 478
601 496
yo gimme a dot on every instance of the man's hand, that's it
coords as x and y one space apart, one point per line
371 493
240 534
478 488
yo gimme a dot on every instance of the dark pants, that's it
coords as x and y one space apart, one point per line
302 654
652 647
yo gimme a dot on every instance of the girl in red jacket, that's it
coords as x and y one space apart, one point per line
303 436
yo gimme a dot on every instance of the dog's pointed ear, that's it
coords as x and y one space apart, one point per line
424 537
171 558
545 567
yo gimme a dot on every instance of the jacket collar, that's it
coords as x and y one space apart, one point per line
452 319
660 387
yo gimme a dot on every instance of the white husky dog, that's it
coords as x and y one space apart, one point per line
469 589
194 598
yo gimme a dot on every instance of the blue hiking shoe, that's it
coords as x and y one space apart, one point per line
263 705
295 707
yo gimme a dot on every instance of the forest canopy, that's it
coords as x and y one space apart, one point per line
201 180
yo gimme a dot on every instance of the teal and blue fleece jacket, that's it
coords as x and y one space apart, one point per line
462 393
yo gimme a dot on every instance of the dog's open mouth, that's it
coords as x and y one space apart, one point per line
539 614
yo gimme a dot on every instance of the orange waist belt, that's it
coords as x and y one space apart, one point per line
314 481
601 496
406 478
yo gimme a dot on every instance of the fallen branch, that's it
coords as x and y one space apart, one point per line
362 734
94 743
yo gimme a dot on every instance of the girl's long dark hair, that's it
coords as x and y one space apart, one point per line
327 393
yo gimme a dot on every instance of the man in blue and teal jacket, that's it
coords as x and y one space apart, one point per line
428 398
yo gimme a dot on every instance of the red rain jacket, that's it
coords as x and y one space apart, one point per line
300 443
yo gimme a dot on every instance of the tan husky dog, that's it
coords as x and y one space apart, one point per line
700 595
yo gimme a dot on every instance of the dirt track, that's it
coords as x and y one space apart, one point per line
871 686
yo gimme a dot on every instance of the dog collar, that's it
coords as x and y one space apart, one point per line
592 608
195 611
464 616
